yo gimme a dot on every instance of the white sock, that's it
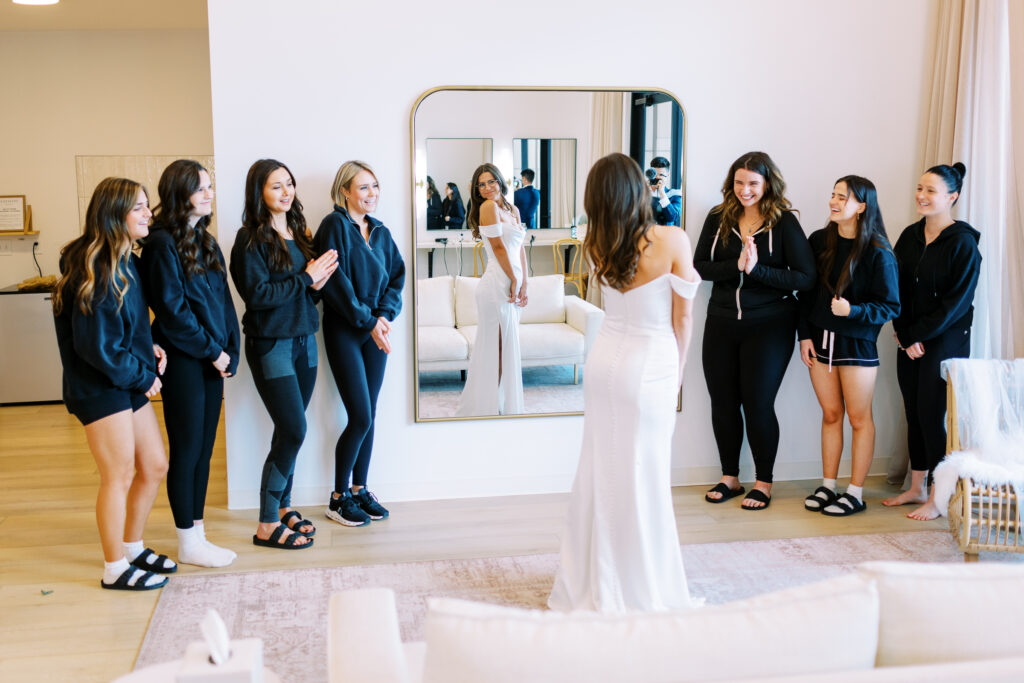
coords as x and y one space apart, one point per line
830 484
194 549
856 491
112 572
226 554
133 549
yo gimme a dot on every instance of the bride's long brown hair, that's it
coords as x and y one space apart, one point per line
618 205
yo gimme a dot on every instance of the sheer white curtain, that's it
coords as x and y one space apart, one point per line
562 184
605 137
977 116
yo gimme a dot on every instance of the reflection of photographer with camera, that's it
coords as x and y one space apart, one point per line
666 203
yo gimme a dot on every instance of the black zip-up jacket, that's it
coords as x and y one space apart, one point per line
434 219
784 264
194 315
370 276
279 304
109 350
873 292
937 281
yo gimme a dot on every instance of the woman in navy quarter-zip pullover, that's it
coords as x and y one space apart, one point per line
360 303
279 277
194 320
755 252
111 369
939 266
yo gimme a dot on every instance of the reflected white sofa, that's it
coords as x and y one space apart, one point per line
886 622
554 329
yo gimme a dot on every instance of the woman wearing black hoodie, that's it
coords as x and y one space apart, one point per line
939 266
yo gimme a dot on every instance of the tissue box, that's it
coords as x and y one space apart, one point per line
244 666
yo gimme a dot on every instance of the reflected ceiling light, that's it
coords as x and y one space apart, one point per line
36 2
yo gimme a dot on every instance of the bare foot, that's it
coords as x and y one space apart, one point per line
927 511
732 482
908 497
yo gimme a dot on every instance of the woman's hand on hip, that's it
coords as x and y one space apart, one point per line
161 359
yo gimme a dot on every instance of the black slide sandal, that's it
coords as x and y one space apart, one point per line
149 561
121 584
830 497
294 514
848 504
758 496
726 492
275 537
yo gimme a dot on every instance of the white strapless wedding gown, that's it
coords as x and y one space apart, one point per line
484 394
620 549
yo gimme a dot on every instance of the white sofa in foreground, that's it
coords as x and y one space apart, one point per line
555 329
886 622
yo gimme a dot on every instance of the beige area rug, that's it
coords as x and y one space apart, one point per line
288 608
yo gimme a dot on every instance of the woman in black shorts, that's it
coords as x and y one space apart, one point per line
857 292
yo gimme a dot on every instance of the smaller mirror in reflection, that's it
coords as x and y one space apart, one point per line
450 163
545 181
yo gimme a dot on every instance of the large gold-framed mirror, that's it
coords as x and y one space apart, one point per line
543 142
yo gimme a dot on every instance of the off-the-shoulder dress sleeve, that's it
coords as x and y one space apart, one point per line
491 230
684 288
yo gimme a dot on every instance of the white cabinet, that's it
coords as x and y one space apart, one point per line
30 368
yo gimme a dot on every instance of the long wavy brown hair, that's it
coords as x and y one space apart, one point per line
617 200
257 225
476 201
98 260
196 247
772 205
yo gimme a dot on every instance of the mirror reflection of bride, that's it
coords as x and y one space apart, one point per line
494 380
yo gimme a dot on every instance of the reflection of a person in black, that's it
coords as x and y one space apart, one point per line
666 202
452 213
527 199
434 221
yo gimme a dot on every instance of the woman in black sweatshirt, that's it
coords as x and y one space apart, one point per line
279 278
194 320
840 320
452 212
939 266
360 303
111 369
755 252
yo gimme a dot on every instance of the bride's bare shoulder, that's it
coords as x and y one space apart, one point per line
670 238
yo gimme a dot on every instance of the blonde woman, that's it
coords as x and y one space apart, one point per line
111 369
360 302
494 381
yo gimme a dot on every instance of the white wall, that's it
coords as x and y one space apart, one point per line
92 93
828 88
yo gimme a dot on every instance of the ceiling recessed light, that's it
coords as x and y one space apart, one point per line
36 2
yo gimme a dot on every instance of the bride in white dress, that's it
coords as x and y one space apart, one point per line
494 380
620 549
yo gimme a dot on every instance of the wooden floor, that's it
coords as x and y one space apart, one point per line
56 624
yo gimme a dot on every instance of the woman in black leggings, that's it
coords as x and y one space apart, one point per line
194 320
277 274
360 302
755 252
939 266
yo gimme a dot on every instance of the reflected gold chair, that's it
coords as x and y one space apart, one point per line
478 256
574 275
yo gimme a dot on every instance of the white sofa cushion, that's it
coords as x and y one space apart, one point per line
465 300
441 344
813 629
549 340
546 297
435 302
934 613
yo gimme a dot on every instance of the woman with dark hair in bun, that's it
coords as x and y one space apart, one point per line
939 266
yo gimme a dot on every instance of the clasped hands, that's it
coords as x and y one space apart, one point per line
519 299
748 256
914 351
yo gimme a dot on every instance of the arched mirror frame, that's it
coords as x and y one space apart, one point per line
416 183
